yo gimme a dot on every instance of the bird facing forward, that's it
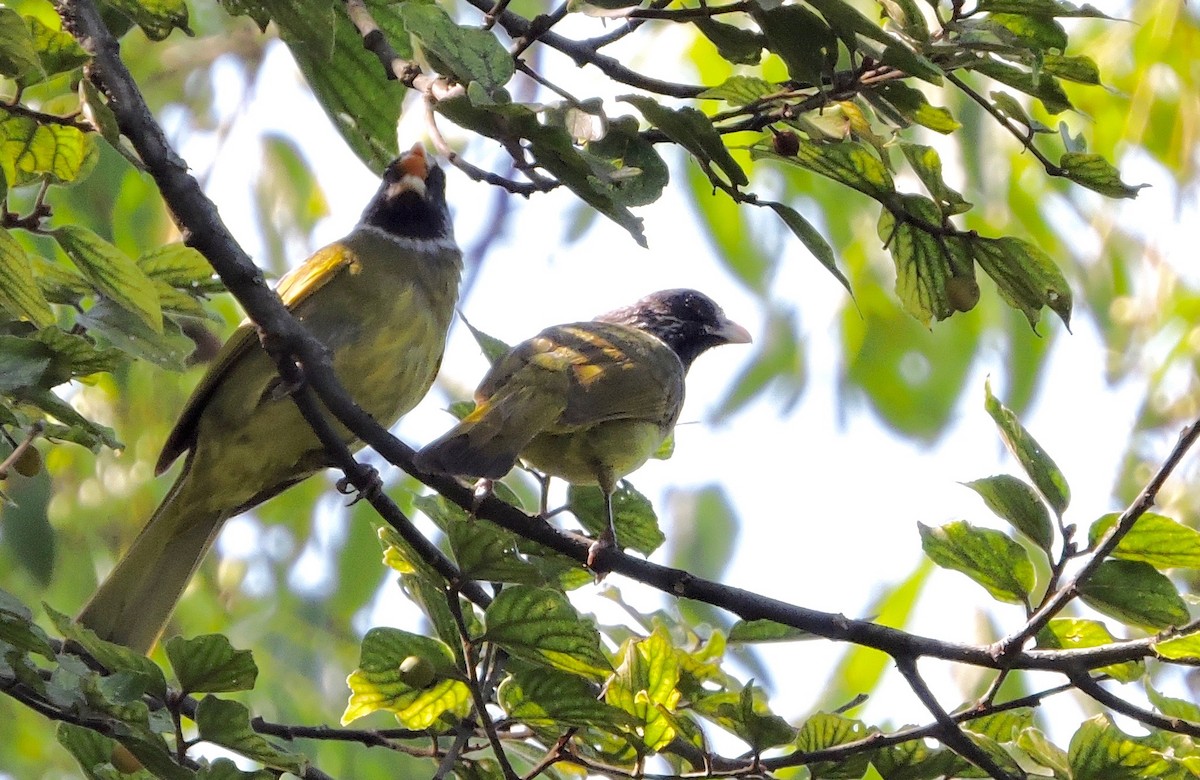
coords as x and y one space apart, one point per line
381 299
588 402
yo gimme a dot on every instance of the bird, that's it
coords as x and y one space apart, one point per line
588 402
381 299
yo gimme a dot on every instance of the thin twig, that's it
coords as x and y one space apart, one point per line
473 684
1142 504
949 732
1086 684
35 430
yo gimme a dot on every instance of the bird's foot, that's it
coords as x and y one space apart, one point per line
372 489
600 555
480 492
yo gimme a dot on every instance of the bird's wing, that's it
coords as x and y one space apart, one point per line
612 372
294 288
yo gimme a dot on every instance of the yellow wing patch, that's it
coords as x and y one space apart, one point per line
310 276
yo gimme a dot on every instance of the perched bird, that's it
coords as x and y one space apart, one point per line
588 401
381 299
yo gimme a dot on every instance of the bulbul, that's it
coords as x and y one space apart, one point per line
381 299
588 402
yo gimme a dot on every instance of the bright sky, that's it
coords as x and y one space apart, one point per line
828 498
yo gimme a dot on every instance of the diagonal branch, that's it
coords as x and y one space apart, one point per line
1142 504
948 733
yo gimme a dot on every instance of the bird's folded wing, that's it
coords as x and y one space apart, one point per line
611 372
294 288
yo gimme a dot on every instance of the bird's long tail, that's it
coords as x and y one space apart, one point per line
132 606
488 441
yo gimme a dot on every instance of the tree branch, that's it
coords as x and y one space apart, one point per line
948 731
1142 504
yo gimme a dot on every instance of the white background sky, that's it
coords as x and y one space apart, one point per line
828 498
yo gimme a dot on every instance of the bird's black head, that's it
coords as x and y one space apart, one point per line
688 321
411 200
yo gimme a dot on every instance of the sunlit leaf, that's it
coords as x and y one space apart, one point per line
1019 504
1100 751
19 292
157 18
227 723
989 557
1040 467
633 515
1075 633
1096 173
540 625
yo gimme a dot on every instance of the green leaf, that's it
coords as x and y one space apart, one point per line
846 162
746 715
1079 69
1038 34
58 51
18 54
1041 468
24 364
209 664
1025 275
91 749
113 657
157 18
466 53
32 152
989 557
180 266
1096 173
1180 648
76 355
1039 8
541 626
849 23
740 90
825 730
1043 751
1159 541
765 631
168 348
113 274
924 269
802 40
347 79
1018 504
19 292
735 44
633 515
644 686
1134 593
1101 751
1046 88
492 348
694 131
379 683
1172 707
547 698
907 15
18 630
633 169
912 104
1077 633
811 238
927 165
227 723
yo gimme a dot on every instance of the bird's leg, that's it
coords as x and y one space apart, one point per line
607 541
544 482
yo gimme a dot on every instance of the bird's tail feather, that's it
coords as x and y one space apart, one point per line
488 441
131 607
